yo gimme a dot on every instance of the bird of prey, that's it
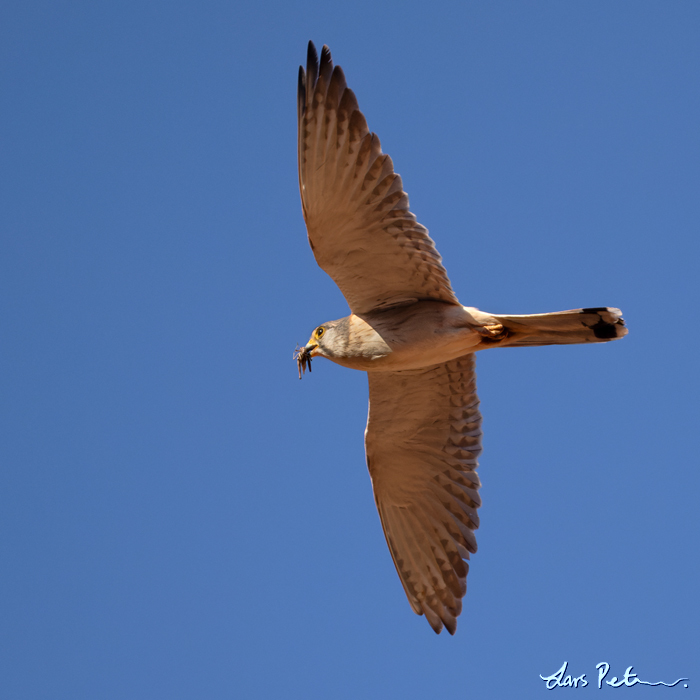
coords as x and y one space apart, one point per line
411 335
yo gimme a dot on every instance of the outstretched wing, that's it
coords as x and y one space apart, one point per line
360 228
423 438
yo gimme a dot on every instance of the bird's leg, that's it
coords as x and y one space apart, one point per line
492 331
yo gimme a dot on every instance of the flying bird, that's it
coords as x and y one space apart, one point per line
411 335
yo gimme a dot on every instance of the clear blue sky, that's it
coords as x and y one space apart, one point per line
181 517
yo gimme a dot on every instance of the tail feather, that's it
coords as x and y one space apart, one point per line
595 325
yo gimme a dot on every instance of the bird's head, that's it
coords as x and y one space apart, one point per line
328 340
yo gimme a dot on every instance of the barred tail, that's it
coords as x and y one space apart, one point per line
596 325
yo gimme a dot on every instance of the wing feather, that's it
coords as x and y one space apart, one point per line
357 214
423 438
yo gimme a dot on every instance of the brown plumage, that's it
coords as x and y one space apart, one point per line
415 340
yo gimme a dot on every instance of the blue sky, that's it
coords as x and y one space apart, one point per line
181 517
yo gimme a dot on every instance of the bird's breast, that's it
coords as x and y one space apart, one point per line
409 337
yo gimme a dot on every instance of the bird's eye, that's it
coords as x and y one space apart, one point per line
319 331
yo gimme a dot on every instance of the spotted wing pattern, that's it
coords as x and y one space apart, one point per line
423 438
360 227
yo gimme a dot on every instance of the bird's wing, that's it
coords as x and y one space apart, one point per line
360 228
423 438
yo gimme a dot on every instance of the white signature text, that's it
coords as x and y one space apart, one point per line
560 679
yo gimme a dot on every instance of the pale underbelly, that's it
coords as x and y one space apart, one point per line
438 349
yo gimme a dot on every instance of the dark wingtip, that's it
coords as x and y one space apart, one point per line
325 56
301 92
435 628
339 77
311 64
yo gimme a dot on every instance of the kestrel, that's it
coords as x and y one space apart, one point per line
411 335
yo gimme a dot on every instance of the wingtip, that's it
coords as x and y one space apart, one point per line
433 619
311 62
325 55
301 91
